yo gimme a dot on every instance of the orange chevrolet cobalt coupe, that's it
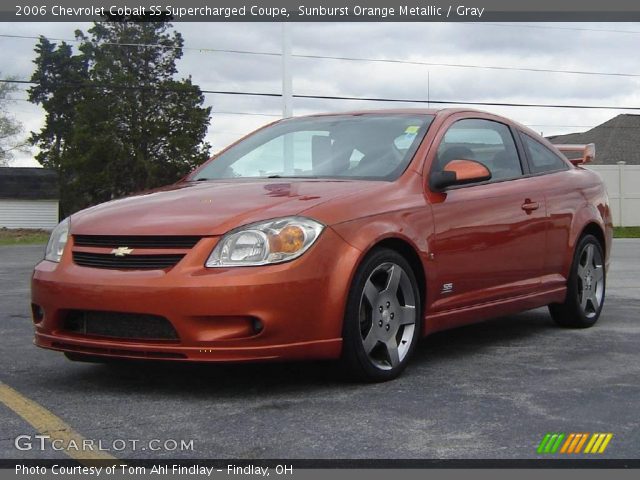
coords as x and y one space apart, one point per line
333 236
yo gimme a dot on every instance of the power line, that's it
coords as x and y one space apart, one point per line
350 59
13 99
457 102
274 115
550 27
475 24
351 98
228 132
461 65
216 112
549 125
246 113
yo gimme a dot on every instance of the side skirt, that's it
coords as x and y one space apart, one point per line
463 316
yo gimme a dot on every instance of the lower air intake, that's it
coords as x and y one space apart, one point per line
130 326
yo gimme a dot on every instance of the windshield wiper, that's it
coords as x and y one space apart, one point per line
291 176
204 179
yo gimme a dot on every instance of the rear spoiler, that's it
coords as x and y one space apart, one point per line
579 154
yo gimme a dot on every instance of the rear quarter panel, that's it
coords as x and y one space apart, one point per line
575 199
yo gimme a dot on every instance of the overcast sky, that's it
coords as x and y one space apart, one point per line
597 47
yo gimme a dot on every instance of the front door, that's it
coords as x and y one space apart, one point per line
489 237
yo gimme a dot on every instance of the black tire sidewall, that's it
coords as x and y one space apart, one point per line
353 354
572 301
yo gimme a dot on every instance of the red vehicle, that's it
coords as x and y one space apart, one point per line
332 236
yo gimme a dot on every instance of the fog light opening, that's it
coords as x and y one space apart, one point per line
37 313
257 325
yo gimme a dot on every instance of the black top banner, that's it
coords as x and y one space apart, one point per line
324 11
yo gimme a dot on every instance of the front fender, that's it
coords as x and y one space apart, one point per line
414 227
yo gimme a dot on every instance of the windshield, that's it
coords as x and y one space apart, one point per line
371 146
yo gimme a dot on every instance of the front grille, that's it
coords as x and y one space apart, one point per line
137 241
131 326
129 262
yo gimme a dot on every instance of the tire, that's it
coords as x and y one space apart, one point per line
383 318
585 288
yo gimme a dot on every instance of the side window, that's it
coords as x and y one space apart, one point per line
484 141
542 159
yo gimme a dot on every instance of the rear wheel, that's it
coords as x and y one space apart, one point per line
585 287
383 320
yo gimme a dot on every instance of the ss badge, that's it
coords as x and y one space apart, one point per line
447 288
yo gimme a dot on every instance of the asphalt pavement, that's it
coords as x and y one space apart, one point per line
491 390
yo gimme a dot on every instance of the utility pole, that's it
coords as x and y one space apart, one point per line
287 98
287 85
428 89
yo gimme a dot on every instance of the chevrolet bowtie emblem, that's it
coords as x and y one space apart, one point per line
121 251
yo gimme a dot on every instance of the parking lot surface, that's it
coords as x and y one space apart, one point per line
484 391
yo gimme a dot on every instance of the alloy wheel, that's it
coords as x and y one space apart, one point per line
387 316
590 275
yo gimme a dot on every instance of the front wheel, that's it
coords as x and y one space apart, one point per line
585 287
383 317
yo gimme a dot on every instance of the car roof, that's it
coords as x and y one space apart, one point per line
395 111
423 111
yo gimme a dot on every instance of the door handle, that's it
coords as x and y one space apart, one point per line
529 206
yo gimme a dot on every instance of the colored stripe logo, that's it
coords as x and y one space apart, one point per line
573 443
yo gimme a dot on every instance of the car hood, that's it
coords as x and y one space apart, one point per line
210 208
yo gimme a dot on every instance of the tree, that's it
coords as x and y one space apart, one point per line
118 121
10 128
59 77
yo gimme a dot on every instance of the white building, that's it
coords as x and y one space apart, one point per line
28 198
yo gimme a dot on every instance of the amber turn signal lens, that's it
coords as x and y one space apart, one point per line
273 241
289 240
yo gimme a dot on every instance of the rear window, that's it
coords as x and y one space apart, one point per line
541 158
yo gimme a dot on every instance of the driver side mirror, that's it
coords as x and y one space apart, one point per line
459 172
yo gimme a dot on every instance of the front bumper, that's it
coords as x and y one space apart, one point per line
299 305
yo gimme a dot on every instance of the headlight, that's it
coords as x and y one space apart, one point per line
57 241
274 241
